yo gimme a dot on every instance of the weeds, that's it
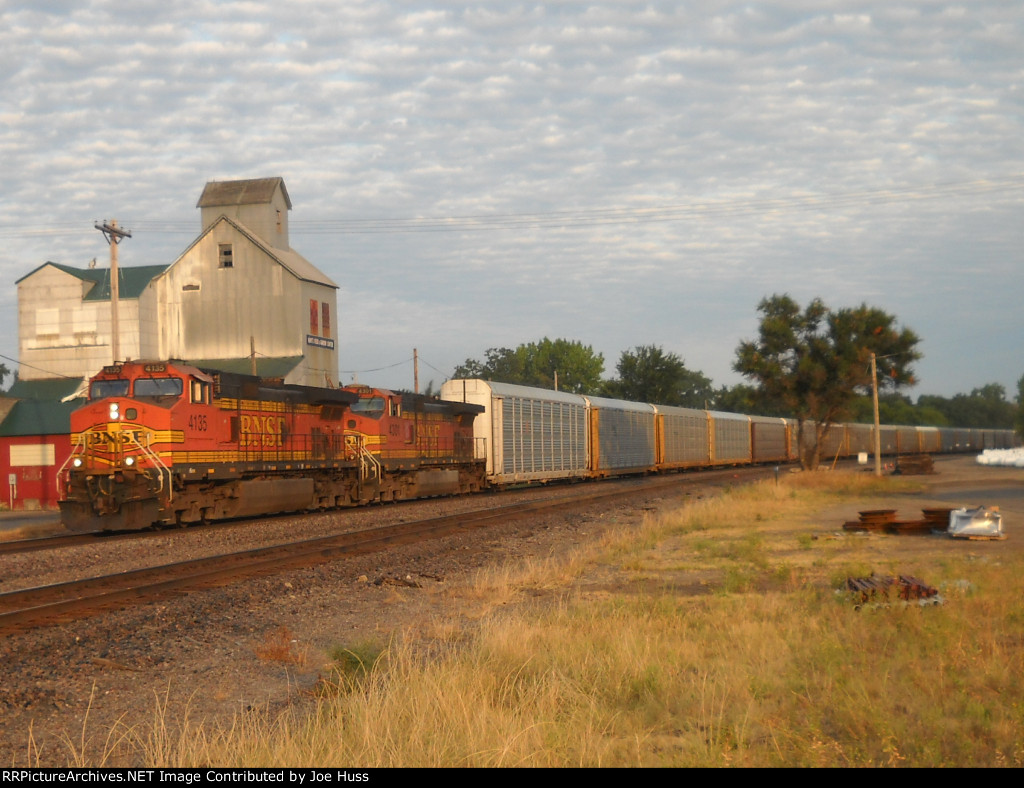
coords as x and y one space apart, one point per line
775 669
280 645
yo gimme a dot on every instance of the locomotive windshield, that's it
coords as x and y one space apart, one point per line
101 389
158 387
372 407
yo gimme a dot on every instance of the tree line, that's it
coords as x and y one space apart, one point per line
811 363
815 364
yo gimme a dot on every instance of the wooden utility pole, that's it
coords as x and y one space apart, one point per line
878 435
415 371
114 236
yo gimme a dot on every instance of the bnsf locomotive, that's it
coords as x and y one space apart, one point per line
169 443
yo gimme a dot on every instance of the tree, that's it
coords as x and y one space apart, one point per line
817 361
985 407
649 374
4 372
1020 407
577 367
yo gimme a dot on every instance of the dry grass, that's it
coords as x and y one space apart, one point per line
280 645
714 637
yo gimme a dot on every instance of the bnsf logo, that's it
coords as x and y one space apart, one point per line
99 439
261 431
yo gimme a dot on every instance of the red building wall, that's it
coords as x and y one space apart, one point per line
28 470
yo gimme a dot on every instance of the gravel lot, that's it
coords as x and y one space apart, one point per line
206 651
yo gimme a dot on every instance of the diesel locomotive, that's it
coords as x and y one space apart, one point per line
167 443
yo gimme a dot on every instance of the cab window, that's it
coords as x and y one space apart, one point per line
101 389
371 407
200 392
158 387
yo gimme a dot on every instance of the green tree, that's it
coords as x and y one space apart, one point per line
816 361
649 374
1020 406
985 407
575 365
742 398
4 372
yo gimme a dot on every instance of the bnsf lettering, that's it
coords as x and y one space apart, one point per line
261 431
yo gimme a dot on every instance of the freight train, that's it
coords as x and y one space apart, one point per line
167 443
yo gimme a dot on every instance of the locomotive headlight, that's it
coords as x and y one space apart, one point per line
129 461
77 462
115 413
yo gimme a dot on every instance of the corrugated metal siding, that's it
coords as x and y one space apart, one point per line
907 441
860 437
834 445
888 438
930 439
625 438
539 436
684 436
731 437
768 439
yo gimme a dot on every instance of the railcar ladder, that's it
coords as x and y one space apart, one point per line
369 466
160 465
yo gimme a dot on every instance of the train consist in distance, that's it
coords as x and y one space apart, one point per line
540 435
166 443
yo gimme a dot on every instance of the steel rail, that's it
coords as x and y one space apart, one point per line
59 602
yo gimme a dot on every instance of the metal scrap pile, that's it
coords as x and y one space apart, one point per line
979 523
884 589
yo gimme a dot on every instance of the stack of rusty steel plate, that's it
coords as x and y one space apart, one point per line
872 520
937 519
884 520
915 464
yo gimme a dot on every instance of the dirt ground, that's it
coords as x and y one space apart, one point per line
264 643
957 482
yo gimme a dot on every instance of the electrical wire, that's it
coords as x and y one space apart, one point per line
596 217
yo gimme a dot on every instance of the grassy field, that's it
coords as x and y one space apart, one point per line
714 635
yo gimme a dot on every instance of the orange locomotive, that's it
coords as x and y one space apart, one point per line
169 443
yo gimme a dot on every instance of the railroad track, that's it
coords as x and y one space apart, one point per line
61 541
60 602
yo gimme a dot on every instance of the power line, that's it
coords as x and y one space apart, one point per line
591 217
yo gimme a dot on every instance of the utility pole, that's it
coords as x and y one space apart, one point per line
114 236
415 371
878 435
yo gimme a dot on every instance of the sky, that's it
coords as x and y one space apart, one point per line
478 175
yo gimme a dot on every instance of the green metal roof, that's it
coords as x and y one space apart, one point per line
45 390
35 417
131 280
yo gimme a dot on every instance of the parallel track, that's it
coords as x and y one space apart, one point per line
53 604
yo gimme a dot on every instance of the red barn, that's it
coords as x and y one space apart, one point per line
34 442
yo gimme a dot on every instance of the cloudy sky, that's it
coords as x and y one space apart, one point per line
478 175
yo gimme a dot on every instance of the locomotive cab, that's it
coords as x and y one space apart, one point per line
423 437
121 458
